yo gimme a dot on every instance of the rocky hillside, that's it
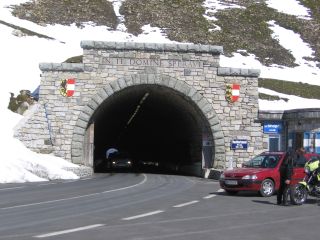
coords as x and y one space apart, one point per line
187 21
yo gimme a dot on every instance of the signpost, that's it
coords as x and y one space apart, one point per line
239 144
272 127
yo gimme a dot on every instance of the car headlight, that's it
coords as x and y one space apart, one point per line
252 177
129 162
222 176
113 162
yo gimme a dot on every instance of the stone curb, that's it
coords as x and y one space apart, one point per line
81 171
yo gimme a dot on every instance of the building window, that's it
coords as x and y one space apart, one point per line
311 142
308 140
317 142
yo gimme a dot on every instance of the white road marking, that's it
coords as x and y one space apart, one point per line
83 179
220 190
45 184
143 215
77 197
210 196
72 181
3 189
69 231
186 204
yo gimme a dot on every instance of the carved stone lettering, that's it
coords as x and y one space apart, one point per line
153 62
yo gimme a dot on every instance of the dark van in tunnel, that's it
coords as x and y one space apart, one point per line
120 160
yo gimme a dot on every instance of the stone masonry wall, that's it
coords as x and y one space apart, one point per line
108 67
34 130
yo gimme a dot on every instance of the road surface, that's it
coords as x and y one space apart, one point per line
124 206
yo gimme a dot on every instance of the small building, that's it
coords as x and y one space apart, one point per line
292 129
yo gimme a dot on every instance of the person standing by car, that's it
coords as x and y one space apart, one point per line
286 171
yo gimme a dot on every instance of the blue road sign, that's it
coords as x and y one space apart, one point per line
239 144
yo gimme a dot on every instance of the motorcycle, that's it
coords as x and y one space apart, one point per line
310 185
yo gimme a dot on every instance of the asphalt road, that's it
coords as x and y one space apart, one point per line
147 206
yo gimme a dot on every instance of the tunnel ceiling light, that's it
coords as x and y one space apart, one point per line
138 107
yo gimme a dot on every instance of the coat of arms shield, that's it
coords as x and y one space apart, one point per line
232 92
67 87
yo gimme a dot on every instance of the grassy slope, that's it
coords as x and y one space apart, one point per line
291 88
67 12
183 21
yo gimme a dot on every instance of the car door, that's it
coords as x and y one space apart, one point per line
276 171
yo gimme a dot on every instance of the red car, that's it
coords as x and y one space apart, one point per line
261 174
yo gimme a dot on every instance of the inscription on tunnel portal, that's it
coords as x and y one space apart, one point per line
145 62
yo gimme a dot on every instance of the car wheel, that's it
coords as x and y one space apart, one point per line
267 188
231 192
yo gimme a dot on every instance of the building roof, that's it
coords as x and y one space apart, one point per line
305 113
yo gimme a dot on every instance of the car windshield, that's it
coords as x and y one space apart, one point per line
263 161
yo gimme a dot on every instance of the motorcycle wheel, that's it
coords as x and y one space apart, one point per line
298 194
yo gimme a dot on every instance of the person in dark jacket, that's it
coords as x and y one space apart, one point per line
286 171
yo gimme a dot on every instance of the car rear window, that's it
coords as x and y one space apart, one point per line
312 158
301 161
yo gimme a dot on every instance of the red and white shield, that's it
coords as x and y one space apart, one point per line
70 87
233 92
67 87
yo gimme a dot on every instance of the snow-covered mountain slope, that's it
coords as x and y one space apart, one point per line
21 53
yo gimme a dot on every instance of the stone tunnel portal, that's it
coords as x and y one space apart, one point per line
164 102
152 123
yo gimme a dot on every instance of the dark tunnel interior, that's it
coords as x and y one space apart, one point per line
151 123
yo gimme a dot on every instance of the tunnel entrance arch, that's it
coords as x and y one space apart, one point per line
152 116
186 77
